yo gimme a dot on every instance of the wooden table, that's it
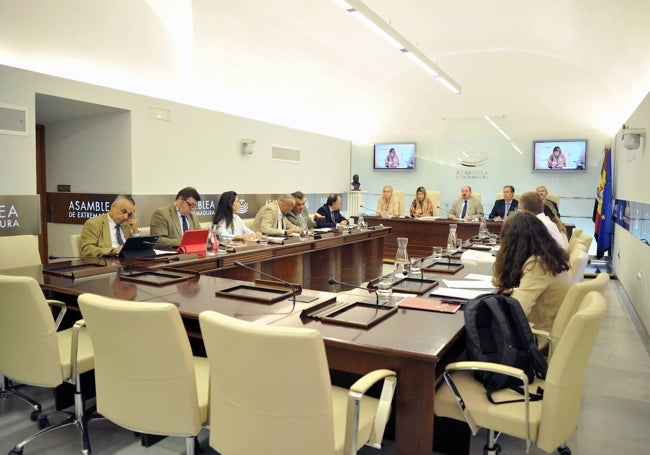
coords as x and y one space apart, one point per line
423 234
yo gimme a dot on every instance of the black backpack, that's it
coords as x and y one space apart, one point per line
497 330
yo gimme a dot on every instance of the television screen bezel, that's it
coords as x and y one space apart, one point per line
563 143
388 145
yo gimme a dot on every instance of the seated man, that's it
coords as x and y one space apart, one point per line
271 219
171 221
332 218
104 235
466 206
531 202
543 192
504 207
299 212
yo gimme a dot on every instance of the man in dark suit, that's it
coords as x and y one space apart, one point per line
332 218
504 207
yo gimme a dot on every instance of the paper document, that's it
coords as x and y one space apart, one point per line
467 294
468 284
478 276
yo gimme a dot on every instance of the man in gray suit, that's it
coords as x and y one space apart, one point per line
171 221
105 234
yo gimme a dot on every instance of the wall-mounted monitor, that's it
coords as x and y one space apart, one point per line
394 155
560 155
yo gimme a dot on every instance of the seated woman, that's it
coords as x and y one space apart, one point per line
532 267
226 221
421 205
387 205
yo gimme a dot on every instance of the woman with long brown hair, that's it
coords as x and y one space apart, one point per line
532 267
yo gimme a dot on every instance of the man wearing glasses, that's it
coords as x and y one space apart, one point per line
105 234
171 221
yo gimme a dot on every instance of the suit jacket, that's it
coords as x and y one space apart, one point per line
499 208
266 220
166 225
96 236
474 207
294 218
328 213
540 293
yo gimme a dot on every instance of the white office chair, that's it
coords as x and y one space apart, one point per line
32 352
75 244
578 259
19 251
436 200
270 392
145 231
146 377
548 422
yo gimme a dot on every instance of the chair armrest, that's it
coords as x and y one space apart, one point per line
62 309
356 393
74 345
516 373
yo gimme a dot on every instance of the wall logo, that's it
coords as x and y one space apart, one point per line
472 158
243 207
9 217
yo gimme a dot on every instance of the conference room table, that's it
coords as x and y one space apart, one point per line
416 344
424 233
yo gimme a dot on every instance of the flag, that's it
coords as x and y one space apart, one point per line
604 226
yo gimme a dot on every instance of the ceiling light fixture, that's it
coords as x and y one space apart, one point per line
370 19
503 133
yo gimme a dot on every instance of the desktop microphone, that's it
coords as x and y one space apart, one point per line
332 281
293 289
443 210
372 210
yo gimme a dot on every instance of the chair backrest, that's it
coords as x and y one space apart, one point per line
436 200
29 346
400 196
586 240
270 389
75 244
575 239
145 231
572 301
555 198
566 371
144 370
578 259
19 251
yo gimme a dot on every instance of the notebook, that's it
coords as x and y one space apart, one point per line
194 241
137 247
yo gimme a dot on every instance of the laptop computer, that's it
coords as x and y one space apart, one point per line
137 247
194 241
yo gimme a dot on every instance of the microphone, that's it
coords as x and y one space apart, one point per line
332 281
293 289
51 257
372 210
446 211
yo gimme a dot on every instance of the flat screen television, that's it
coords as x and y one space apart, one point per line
394 155
560 155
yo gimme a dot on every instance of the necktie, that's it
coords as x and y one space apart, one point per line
333 217
464 211
118 234
184 220
507 210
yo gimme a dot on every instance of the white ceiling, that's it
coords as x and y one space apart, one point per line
539 68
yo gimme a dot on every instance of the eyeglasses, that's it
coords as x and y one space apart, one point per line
189 204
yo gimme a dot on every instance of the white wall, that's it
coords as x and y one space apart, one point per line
631 256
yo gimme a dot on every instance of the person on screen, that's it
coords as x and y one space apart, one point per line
387 205
171 221
104 235
532 268
392 159
466 206
331 216
531 202
421 205
543 192
227 222
504 207
299 213
556 159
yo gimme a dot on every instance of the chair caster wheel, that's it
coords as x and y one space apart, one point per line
42 422
564 451
496 450
34 415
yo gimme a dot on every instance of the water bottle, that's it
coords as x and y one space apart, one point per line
213 242
304 230
483 230
361 222
451 239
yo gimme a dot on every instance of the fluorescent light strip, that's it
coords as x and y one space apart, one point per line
503 133
371 20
